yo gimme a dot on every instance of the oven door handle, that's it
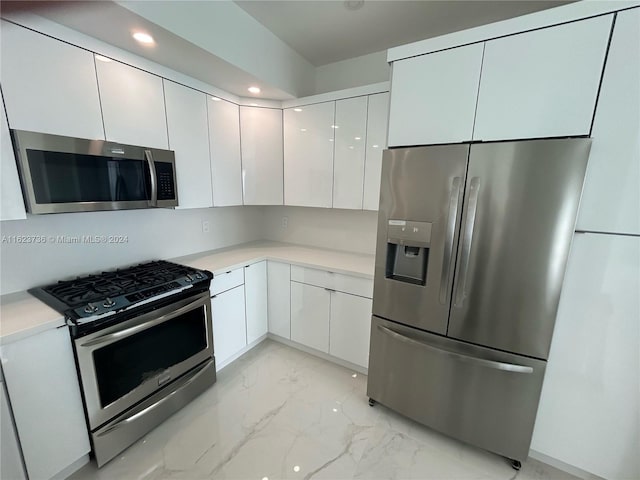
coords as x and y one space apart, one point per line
110 337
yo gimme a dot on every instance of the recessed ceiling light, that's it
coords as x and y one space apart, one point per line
254 89
102 59
296 468
144 38
303 129
297 109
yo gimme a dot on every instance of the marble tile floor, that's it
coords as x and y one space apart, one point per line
279 413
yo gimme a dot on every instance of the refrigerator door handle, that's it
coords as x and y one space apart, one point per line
508 367
467 239
452 220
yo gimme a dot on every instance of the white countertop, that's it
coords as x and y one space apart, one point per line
23 315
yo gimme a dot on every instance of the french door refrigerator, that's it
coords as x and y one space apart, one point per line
472 245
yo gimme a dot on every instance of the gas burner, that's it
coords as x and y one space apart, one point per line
85 298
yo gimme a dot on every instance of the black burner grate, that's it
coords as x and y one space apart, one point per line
92 288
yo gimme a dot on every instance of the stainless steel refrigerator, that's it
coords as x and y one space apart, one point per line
472 246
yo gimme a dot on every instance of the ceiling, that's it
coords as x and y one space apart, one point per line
321 32
328 31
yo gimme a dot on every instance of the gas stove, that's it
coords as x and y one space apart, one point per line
92 298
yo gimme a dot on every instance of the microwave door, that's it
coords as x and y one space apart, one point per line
521 203
418 223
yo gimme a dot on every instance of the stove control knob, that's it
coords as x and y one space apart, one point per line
90 308
188 278
108 303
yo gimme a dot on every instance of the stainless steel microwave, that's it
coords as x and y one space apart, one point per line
64 174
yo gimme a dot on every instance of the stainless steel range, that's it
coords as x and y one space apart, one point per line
143 344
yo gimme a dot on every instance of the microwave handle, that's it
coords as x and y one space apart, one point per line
153 202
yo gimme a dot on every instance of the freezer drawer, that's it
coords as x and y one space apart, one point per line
481 396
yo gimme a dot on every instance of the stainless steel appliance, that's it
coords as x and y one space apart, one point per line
64 174
143 344
472 246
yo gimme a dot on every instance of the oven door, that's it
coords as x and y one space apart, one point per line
125 363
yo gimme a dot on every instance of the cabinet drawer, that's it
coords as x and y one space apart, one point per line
226 281
334 281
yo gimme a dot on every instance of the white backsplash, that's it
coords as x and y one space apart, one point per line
348 230
65 251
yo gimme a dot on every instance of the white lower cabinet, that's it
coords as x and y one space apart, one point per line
42 383
279 298
229 326
350 328
10 457
330 320
310 316
588 413
255 289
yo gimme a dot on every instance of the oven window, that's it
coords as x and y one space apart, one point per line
125 364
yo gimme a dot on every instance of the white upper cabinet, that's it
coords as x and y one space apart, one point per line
433 97
40 375
132 105
377 115
308 155
11 201
48 85
348 161
611 198
189 138
224 141
255 288
262 155
542 83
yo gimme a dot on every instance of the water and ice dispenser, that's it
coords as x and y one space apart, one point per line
408 246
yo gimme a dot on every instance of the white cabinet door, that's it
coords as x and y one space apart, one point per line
229 325
11 201
255 290
40 374
377 115
189 139
10 457
433 97
132 105
611 198
310 316
49 86
348 161
308 155
262 155
279 298
350 328
224 141
588 413
542 83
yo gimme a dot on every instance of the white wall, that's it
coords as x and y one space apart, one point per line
230 33
353 72
151 234
348 230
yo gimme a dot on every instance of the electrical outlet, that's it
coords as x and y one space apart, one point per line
205 226
285 222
